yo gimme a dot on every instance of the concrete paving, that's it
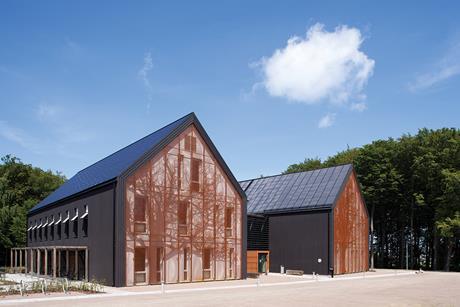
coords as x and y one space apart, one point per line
381 288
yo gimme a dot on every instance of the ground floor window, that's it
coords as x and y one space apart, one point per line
139 265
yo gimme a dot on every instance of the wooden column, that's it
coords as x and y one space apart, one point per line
26 259
20 258
59 263
76 264
39 264
11 258
86 264
54 262
46 261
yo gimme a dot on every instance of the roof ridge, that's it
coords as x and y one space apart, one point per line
113 153
312 170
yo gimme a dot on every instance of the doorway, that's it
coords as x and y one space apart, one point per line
262 263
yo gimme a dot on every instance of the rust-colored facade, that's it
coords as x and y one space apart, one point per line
351 230
183 217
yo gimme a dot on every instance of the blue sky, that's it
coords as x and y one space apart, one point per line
79 80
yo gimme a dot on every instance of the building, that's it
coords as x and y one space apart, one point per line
164 209
313 221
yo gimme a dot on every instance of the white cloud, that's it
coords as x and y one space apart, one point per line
327 120
323 66
46 111
144 74
18 136
358 106
447 67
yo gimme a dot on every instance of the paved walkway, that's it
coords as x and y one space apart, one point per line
272 284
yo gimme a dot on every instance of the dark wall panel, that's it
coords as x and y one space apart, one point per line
297 241
257 233
100 239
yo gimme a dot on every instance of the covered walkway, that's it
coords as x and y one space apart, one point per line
53 261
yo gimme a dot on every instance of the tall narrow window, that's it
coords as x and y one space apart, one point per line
139 213
139 265
185 263
51 226
84 217
74 221
190 143
35 230
182 216
159 262
59 227
207 263
195 175
40 232
29 231
230 262
45 229
65 223
228 222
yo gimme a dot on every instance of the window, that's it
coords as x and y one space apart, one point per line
51 226
207 263
59 227
84 217
35 230
139 265
230 263
139 213
159 262
74 220
195 175
66 224
40 232
190 143
182 216
185 263
228 222
45 229
29 230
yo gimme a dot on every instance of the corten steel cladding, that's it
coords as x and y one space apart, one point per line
351 231
183 217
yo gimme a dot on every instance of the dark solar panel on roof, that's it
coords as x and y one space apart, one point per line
316 189
111 166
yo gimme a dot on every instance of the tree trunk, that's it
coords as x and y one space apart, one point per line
449 248
435 249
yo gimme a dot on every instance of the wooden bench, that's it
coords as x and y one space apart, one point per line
294 272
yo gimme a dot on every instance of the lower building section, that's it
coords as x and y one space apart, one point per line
258 261
300 242
54 261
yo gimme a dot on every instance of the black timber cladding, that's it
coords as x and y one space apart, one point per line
99 239
300 242
311 190
258 228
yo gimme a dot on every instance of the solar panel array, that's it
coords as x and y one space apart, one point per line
317 189
111 166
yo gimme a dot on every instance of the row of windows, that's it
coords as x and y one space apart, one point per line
54 227
183 217
140 269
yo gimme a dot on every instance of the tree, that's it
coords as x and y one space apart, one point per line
21 187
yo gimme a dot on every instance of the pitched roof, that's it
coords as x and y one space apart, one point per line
311 190
112 166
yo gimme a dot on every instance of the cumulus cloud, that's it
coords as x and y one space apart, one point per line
327 120
322 66
144 73
445 68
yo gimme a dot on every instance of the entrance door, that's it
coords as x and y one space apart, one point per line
262 263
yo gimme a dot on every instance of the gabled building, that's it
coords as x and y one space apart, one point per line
313 221
164 209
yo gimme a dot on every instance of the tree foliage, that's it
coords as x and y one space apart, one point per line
412 187
21 187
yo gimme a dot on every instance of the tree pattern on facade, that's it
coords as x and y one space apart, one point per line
351 231
183 217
